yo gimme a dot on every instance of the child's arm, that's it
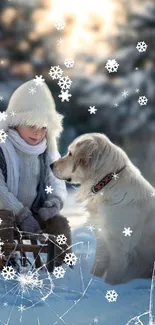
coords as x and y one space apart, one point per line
58 186
7 200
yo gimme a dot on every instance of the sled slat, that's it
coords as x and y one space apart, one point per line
26 247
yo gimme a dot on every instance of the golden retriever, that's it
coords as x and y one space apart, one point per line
117 196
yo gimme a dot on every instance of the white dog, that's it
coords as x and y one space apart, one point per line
117 196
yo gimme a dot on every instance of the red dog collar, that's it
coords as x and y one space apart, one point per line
96 188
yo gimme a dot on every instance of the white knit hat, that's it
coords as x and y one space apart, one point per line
34 109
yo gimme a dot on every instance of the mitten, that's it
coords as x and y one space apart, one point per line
50 208
26 221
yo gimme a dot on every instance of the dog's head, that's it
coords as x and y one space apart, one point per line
85 156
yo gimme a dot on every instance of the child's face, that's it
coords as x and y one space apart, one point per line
31 134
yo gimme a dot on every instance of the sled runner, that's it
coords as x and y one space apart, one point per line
12 240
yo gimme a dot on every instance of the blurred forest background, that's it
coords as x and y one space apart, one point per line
94 32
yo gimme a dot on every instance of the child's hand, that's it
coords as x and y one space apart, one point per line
27 222
50 209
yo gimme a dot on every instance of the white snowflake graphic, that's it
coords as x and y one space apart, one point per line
96 320
0 221
111 295
61 239
92 109
64 96
70 259
65 82
125 93
60 41
55 72
127 231
32 90
141 46
39 80
5 304
116 105
8 273
60 25
112 65
115 176
59 272
3 116
21 308
12 113
1 98
137 91
142 100
3 136
69 63
91 227
48 189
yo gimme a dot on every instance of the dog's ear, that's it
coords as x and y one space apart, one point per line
85 152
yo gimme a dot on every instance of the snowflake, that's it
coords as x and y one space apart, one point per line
8 272
61 239
60 24
65 82
70 259
142 100
12 113
69 63
3 116
60 41
137 90
92 109
48 189
32 90
1 98
64 96
116 105
91 227
112 65
3 136
127 231
111 295
141 46
125 93
55 72
59 272
21 308
39 80
0 221
115 176
153 193
95 320
5 304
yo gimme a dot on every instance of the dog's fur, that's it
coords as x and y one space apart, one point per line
127 201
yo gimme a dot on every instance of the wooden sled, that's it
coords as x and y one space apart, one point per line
11 240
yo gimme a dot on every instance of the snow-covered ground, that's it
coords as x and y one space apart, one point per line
79 298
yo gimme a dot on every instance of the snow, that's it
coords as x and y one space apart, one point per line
79 297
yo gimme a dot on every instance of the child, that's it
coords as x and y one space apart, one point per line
32 126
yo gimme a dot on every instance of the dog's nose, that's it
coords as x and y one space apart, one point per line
52 165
